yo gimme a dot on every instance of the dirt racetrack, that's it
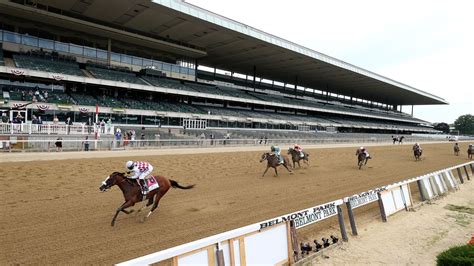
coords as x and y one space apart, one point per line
52 210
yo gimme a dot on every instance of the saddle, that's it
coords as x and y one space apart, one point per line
150 183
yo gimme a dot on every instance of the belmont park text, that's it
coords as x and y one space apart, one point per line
304 217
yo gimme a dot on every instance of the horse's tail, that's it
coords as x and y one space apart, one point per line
177 185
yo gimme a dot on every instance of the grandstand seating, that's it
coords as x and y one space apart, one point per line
27 94
84 99
195 87
48 64
110 74
167 83
55 65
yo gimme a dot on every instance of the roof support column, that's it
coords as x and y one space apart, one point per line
195 70
254 74
296 84
412 111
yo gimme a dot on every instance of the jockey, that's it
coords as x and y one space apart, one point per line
140 170
363 150
416 146
276 150
299 149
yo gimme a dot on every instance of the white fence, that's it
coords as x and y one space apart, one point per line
270 242
52 129
31 143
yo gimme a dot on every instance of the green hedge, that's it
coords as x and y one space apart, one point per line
456 256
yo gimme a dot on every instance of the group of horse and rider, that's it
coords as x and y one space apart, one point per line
137 184
470 150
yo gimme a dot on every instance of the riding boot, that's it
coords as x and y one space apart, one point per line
144 186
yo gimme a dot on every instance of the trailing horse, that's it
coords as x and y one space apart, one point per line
296 157
133 194
470 151
362 159
398 139
272 161
417 152
456 150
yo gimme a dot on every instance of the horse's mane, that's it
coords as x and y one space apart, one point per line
125 177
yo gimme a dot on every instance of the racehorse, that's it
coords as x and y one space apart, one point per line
456 150
296 157
362 159
417 153
398 139
272 161
470 152
133 194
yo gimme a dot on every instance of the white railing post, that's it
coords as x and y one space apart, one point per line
49 129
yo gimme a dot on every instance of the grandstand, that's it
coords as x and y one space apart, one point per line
171 62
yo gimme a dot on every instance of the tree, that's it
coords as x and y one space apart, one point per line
442 127
465 124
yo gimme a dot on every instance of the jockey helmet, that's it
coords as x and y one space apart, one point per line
361 148
272 147
129 165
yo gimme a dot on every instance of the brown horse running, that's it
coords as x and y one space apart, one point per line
470 152
296 157
272 161
362 159
456 149
417 152
132 192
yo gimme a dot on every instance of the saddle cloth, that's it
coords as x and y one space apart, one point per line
152 184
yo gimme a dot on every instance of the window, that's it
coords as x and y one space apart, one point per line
137 61
126 59
115 57
183 70
101 54
166 67
147 62
175 68
75 49
28 40
46 44
62 47
90 52
11 37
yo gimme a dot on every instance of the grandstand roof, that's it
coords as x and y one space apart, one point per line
216 41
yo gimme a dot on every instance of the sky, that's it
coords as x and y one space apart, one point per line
428 45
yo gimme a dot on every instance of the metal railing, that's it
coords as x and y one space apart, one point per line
53 129
48 145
